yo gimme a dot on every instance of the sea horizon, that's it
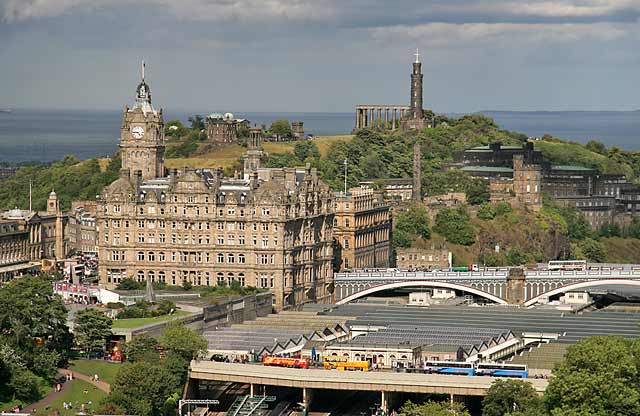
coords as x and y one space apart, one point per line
48 135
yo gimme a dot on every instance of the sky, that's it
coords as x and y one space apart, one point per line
321 55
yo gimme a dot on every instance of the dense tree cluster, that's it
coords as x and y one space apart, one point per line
72 180
34 338
410 224
151 383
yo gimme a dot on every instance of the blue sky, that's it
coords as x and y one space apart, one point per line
321 55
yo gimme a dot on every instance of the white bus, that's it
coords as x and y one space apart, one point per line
567 265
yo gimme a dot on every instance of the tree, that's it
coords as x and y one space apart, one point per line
432 408
142 388
411 223
281 128
506 396
197 122
31 313
486 212
599 376
453 224
92 329
141 348
175 128
610 230
129 284
592 250
179 339
478 191
597 147
306 149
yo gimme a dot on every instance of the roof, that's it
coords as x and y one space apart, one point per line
494 169
572 167
501 148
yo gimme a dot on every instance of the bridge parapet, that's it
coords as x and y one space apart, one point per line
405 275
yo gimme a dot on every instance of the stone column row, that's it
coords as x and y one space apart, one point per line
365 116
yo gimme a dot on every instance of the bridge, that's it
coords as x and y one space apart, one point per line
501 286
385 382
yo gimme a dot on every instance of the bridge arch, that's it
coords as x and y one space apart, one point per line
414 283
581 285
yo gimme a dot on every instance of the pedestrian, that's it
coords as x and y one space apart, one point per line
96 378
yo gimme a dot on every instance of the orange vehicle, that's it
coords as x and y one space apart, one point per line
285 362
346 365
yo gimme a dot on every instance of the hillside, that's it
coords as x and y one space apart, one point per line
523 237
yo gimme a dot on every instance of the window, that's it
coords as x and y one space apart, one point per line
231 226
140 238
151 256
140 276
346 243
220 226
254 226
220 279
241 240
265 242
265 226
220 239
241 226
241 259
174 256
231 211
347 223
140 223
220 257
231 240
231 258
263 259
162 237
265 211
161 256
241 279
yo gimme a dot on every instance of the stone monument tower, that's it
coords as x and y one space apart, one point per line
416 88
53 207
254 154
142 135
417 174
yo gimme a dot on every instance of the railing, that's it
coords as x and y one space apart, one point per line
346 277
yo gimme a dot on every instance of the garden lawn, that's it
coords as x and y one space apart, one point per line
106 371
137 322
75 394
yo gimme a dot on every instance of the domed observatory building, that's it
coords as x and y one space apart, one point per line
223 128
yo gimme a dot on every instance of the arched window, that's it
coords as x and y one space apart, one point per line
161 277
241 259
161 256
140 255
152 276
140 276
231 278
241 279
220 258
220 279
231 258
151 256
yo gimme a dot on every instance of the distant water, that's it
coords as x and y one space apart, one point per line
31 135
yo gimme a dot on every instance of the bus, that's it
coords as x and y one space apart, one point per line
343 365
580 265
285 362
449 367
469 268
501 370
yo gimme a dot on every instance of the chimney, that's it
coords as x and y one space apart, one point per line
417 173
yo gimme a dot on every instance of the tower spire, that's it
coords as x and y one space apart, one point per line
142 71
417 55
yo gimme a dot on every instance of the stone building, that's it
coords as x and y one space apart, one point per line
271 229
391 117
523 189
393 189
81 231
431 258
521 175
28 236
362 230
222 129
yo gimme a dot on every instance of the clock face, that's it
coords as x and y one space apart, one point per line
137 132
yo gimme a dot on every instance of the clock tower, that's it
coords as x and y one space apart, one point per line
142 135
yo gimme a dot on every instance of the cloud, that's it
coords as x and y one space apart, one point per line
472 34
367 13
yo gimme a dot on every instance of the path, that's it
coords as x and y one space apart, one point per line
102 385
49 398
